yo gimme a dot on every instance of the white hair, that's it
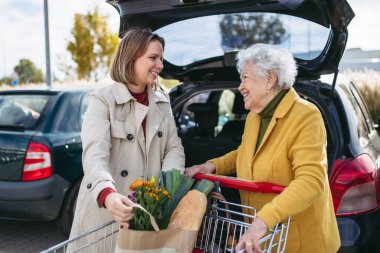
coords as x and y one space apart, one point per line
268 58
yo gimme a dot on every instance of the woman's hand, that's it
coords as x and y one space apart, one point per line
120 207
206 167
250 239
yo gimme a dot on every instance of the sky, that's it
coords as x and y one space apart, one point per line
22 33
22 29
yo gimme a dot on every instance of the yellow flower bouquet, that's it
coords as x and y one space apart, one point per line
152 198
161 199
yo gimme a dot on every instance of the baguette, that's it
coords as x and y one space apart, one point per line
188 215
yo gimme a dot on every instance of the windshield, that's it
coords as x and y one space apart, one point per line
201 38
21 110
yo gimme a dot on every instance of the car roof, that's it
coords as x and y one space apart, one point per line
47 90
155 14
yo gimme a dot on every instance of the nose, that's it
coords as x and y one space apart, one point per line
241 86
159 65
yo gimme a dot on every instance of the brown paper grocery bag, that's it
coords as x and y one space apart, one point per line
158 241
163 241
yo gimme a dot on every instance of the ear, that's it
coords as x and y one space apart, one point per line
272 79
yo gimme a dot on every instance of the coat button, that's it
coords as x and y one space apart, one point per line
129 137
124 173
89 186
159 134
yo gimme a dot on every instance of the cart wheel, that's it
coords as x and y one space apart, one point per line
66 216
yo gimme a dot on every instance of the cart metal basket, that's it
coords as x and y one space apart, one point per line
222 228
102 238
223 224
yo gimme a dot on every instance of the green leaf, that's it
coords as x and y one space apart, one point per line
162 179
169 183
204 186
176 179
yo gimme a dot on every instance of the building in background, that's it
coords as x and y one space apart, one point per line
357 59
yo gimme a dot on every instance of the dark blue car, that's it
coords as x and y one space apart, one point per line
40 153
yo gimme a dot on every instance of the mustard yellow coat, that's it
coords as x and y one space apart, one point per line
293 154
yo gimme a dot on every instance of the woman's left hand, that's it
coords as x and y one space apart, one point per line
250 239
207 167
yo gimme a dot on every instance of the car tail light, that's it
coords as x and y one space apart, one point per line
355 186
37 163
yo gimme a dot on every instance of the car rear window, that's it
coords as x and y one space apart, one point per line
21 109
201 38
363 108
357 116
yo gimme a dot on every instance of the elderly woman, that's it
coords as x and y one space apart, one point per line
284 143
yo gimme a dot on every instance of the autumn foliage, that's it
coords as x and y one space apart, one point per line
92 45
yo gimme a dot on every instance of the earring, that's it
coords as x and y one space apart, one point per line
267 91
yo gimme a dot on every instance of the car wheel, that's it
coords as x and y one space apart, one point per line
66 216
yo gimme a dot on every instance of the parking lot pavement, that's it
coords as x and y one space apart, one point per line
28 237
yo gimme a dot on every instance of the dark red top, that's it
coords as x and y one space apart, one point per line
103 194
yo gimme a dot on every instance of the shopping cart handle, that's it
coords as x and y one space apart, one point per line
241 184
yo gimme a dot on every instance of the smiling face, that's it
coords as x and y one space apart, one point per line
148 66
254 88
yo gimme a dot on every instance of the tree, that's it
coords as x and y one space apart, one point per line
92 46
5 80
28 72
242 30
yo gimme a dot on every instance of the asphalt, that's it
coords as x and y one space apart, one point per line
28 237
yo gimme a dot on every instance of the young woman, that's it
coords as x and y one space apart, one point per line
128 132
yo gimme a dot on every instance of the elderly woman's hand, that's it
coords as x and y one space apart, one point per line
120 207
250 239
206 167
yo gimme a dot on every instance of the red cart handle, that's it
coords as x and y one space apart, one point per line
241 184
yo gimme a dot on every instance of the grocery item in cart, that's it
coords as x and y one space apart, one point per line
181 214
180 235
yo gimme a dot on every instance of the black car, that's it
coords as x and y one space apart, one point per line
40 153
202 38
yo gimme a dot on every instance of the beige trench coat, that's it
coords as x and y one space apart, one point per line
116 152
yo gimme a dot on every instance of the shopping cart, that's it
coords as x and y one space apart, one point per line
223 224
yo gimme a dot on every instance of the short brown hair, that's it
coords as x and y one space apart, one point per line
133 45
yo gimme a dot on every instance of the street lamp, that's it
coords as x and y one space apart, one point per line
47 44
4 59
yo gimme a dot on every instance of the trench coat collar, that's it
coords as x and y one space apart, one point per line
283 108
122 94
